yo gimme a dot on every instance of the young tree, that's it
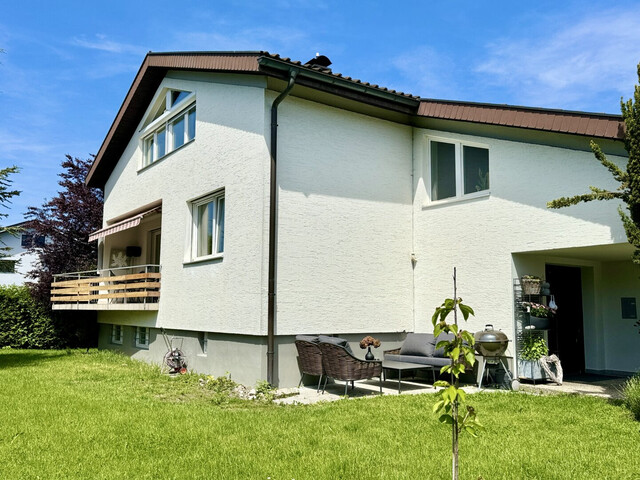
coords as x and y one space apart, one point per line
6 194
629 181
66 222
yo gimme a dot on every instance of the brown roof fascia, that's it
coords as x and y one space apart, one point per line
599 125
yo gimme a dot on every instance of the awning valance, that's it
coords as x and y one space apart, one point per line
125 224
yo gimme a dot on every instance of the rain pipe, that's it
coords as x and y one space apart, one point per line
273 212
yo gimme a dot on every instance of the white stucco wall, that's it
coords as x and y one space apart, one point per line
480 235
344 223
26 261
230 152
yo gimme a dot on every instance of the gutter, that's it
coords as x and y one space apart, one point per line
273 212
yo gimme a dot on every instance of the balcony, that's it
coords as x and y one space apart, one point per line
128 288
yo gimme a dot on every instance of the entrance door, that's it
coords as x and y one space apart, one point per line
154 251
567 335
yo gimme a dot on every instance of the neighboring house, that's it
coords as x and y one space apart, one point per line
378 195
16 261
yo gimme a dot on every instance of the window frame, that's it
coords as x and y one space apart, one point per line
9 266
117 339
165 123
194 206
140 344
459 170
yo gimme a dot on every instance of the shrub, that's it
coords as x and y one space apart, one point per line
23 322
631 395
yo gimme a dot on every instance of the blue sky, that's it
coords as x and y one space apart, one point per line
68 65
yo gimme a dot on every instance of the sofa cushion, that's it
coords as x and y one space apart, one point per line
419 360
419 344
308 338
439 352
336 341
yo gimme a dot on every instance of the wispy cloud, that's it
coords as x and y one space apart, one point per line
566 65
425 72
103 43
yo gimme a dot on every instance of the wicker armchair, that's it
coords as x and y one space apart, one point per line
339 364
309 360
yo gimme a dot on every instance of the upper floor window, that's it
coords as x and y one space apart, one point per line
29 239
457 169
174 125
207 238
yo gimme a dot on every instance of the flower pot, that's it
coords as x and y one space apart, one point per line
539 323
531 369
530 286
369 355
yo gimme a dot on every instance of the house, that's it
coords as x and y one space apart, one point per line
255 198
16 261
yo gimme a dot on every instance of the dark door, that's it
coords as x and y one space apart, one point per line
567 333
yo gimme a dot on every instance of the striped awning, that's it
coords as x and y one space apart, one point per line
125 224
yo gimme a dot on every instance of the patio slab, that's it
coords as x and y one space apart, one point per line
594 385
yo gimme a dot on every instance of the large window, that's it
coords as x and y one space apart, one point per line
207 238
174 126
457 169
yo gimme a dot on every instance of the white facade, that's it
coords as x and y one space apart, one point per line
25 262
354 211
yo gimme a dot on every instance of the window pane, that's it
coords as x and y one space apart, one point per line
443 170
161 138
205 229
476 169
177 96
178 132
148 151
192 124
220 244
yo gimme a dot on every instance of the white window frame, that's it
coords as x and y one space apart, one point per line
165 122
459 165
116 334
194 205
144 344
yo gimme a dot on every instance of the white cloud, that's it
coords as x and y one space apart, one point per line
104 44
570 63
425 72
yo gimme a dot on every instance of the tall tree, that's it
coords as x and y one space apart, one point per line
629 180
6 194
66 222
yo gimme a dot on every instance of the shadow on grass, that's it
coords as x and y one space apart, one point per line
23 358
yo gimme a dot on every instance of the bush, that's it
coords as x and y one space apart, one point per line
25 323
631 395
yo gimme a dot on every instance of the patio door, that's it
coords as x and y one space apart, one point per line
567 335
154 251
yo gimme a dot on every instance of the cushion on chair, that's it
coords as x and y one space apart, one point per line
420 344
336 341
308 338
419 360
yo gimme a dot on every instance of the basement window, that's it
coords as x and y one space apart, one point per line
142 337
116 334
457 170
174 126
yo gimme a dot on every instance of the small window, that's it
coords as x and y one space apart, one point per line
208 226
457 169
116 334
177 129
8 266
142 337
28 239
204 340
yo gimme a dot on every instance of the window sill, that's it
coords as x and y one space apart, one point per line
448 201
143 347
208 258
145 167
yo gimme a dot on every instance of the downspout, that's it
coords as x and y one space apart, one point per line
273 212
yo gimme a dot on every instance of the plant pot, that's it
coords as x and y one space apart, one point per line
530 286
531 369
539 323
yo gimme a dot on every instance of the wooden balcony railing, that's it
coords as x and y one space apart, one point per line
129 288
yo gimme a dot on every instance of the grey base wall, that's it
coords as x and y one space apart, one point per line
244 357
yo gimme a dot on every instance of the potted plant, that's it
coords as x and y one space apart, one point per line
368 342
530 284
532 348
539 315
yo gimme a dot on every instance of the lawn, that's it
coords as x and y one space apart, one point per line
101 415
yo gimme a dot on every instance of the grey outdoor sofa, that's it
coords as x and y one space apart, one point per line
420 348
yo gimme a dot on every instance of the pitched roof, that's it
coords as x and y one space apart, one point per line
155 66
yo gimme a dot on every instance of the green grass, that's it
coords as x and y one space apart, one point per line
101 415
